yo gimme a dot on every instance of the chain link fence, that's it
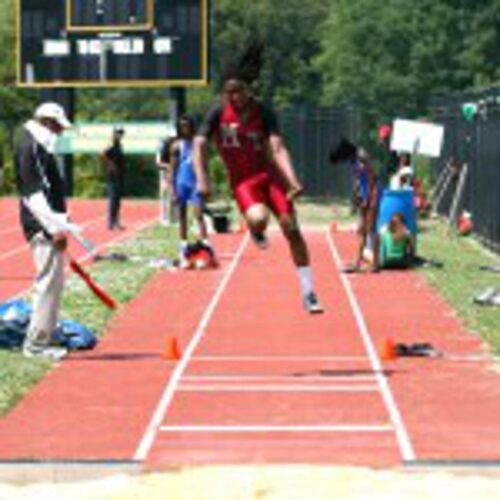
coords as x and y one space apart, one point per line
310 134
474 141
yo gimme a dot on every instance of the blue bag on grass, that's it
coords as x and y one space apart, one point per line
14 318
74 336
15 313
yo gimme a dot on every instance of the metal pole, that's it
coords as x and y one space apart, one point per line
458 195
441 187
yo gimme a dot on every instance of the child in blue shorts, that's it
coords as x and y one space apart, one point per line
184 190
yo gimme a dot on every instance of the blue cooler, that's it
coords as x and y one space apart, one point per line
398 201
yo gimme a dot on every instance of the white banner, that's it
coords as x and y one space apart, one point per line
409 136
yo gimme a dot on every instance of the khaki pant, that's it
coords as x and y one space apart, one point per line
168 209
47 291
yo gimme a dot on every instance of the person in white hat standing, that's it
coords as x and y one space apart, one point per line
43 219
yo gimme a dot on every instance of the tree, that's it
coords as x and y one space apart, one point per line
480 25
365 54
392 57
15 104
290 33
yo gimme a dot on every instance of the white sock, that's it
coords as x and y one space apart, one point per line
184 245
305 279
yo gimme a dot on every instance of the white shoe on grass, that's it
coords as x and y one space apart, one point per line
50 353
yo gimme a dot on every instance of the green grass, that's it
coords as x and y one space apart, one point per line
460 279
123 280
323 212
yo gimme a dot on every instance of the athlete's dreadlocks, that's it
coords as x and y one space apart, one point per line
245 66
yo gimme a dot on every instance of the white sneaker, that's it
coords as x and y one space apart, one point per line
311 303
50 353
183 258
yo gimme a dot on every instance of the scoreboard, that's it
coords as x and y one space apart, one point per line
109 43
100 14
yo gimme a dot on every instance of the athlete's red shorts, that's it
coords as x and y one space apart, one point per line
265 189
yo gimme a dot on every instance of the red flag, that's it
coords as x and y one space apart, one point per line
94 287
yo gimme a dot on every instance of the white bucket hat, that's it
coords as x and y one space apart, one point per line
53 111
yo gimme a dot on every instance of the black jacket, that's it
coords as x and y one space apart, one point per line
36 170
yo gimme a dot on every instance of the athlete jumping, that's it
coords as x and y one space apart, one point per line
259 165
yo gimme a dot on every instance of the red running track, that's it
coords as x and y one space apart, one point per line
16 265
260 381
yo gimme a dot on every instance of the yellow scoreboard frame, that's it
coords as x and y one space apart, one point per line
189 51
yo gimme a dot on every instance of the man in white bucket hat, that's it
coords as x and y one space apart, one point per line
43 219
54 112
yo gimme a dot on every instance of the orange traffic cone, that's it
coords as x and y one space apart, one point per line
388 350
171 352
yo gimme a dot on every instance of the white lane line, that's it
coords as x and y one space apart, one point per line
102 246
402 436
276 428
277 359
15 251
123 237
277 378
276 388
25 246
159 414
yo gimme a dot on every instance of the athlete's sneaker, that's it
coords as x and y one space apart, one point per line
50 353
311 303
207 247
183 260
211 252
260 240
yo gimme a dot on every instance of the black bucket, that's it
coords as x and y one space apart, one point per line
221 223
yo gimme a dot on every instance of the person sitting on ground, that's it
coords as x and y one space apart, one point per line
395 245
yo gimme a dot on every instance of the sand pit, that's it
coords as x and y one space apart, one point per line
273 483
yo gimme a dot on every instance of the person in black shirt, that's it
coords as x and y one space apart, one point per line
113 159
44 221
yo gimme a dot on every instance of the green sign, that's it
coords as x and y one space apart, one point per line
93 138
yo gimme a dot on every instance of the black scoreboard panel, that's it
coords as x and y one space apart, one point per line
109 14
105 43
